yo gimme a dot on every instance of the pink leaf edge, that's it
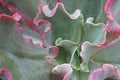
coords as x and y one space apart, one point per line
4 16
7 73
107 72
44 8
112 26
17 16
85 55
65 70
49 13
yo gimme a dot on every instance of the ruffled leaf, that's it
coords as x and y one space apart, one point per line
107 72
64 71
66 29
68 50
27 7
89 32
112 11
106 53
86 6
70 27
70 30
24 60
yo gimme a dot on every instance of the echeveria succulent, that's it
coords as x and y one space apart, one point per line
59 40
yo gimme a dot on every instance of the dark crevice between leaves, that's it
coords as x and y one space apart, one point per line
110 79
4 10
55 77
61 58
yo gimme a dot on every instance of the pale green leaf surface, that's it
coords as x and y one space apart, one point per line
87 8
100 54
68 29
23 59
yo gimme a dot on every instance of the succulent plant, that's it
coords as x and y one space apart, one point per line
59 40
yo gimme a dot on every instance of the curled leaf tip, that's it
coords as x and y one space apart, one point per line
63 70
44 8
53 51
47 28
107 72
112 11
5 74
109 8
50 13
113 27
85 56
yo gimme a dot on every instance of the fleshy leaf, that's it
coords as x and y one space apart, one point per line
26 57
50 13
5 74
69 46
107 72
76 25
71 29
64 70
85 55
24 60
23 7
65 30
111 50
45 27
42 40
106 53
86 6
13 32
89 32
68 50
81 75
112 11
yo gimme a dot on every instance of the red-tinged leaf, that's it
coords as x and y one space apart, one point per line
107 72
105 53
24 60
64 70
5 74
112 11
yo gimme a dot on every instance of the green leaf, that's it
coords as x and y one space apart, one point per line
109 53
23 59
69 29
28 8
100 53
68 48
94 33
89 8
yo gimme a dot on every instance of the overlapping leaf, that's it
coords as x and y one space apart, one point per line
100 53
112 11
55 21
70 30
24 60
86 6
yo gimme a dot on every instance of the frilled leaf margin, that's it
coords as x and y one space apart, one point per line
53 40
